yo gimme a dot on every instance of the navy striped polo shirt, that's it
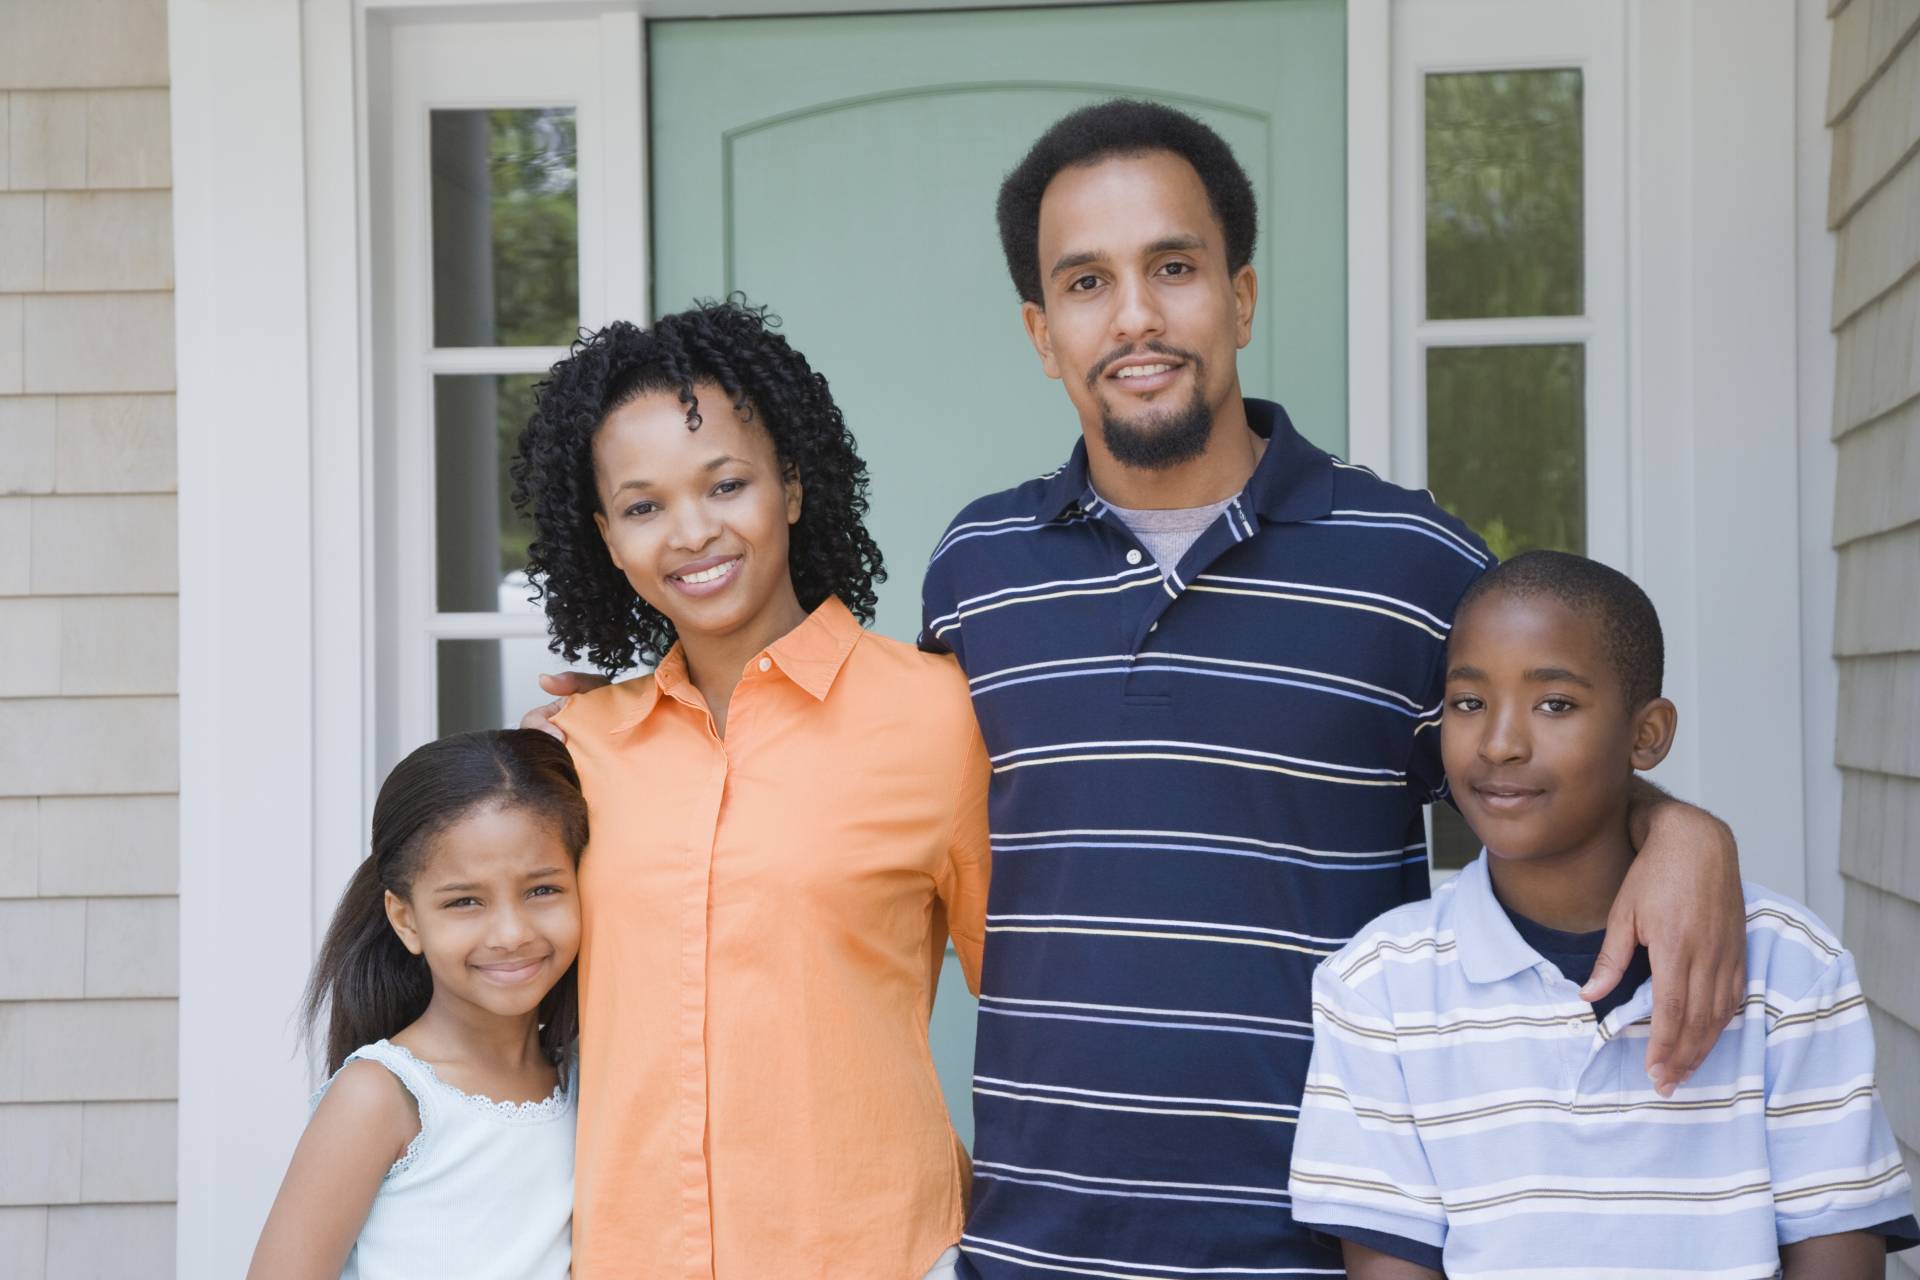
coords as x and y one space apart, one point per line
1207 777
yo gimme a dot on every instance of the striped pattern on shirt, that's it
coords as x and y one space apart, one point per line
1207 777
1462 1095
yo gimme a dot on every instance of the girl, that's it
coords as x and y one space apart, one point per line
789 818
442 1144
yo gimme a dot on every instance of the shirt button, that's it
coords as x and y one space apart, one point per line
1133 557
766 664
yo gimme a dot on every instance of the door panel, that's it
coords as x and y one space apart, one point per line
843 171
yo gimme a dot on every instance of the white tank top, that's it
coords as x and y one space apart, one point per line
485 1192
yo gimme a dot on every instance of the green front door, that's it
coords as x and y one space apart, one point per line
843 170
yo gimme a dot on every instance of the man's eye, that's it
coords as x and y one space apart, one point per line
1178 269
1082 284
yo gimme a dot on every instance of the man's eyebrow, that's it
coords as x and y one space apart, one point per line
1556 675
1176 244
1466 673
1069 261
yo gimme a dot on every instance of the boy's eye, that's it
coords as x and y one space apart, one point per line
1465 702
1557 705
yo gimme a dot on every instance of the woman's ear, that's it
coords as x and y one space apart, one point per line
400 916
1653 729
796 493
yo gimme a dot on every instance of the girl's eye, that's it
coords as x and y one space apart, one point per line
543 890
463 902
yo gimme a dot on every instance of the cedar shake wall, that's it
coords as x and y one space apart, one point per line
1873 109
89 932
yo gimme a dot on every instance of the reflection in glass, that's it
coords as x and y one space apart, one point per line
490 684
479 541
506 228
1504 191
1506 452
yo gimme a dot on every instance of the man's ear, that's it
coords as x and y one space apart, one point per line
400 916
1246 294
1034 316
796 493
1653 729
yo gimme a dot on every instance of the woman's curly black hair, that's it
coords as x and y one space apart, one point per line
590 606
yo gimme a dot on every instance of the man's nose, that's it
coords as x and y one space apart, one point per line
1137 313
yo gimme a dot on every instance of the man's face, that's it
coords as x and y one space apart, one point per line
1142 317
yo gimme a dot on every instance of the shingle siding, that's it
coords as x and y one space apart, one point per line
89 654
1874 208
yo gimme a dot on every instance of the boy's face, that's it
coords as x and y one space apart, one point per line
1539 744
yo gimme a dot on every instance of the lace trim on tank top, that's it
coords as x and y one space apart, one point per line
510 1112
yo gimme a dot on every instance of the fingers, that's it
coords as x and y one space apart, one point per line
1616 953
541 718
564 683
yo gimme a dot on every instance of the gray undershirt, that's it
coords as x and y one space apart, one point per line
1169 534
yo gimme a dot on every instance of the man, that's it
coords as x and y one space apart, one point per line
1207 662
1206 658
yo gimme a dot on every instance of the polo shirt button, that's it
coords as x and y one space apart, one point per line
1133 557
766 664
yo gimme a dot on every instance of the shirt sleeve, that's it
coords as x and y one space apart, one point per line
940 611
963 887
1358 1160
1834 1162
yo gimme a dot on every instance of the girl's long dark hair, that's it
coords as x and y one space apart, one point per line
366 983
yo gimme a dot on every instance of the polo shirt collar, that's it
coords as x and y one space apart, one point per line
810 656
1490 948
1293 481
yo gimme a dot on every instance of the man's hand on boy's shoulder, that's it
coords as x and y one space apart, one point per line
1682 901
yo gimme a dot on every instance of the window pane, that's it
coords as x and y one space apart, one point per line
490 684
506 228
1504 178
480 554
1506 452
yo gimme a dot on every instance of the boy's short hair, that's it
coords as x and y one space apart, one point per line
1629 624
1121 127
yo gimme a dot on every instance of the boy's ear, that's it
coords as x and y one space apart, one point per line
400 916
1653 729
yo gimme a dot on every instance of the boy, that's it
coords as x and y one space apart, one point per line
1466 1111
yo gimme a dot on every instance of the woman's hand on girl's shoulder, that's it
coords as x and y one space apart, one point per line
363 1124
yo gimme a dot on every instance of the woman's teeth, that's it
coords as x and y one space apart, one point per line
707 575
1143 370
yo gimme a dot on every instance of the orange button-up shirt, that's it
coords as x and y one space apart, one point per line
765 916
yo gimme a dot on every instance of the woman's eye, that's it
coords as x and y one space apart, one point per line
730 486
641 509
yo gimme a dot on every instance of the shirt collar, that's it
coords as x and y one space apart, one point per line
1490 948
1293 481
810 656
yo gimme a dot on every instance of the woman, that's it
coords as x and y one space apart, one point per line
788 816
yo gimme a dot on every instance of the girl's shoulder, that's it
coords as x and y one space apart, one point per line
371 1097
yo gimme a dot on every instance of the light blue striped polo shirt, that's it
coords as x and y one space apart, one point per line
1461 1094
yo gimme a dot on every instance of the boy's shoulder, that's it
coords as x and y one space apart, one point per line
1789 948
1415 935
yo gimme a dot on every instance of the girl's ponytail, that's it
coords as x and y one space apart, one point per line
366 982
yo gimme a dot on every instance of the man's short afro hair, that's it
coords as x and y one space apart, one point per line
1121 127
1629 625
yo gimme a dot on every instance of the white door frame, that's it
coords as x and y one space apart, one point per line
277 324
